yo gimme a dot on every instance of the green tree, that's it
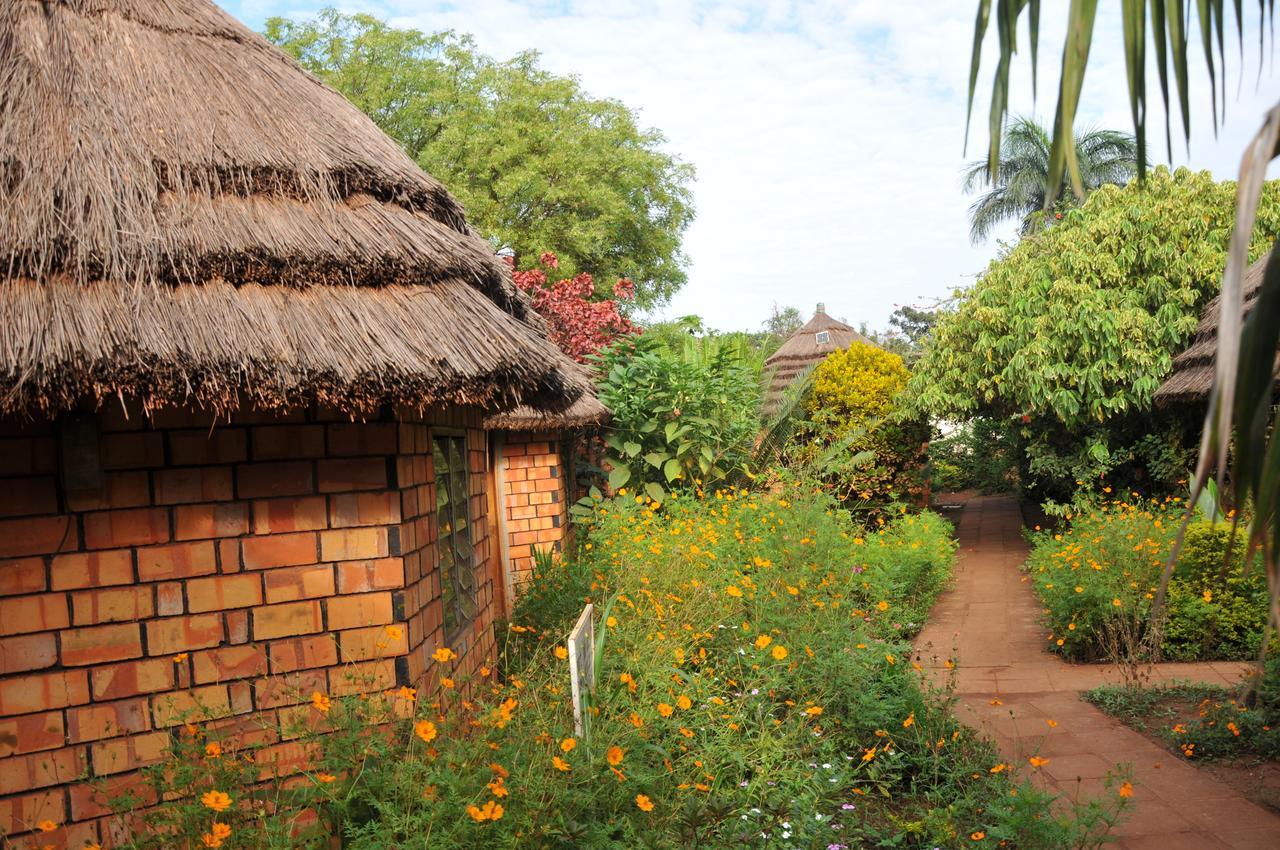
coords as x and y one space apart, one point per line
1020 190
536 162
1067 336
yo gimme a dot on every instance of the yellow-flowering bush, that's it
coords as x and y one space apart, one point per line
869 451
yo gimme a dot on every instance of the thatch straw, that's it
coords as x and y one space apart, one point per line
158 159
587 410
803 351
1193 369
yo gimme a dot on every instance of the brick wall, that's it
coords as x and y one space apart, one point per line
237 568
534 499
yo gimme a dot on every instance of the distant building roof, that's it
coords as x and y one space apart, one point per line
807 347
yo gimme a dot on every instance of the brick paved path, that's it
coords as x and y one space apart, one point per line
989 623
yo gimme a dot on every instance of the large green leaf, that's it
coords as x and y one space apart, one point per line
619 477
655 491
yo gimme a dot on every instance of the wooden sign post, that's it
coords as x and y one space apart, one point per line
582 668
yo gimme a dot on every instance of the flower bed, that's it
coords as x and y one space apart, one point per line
1098 580
755 688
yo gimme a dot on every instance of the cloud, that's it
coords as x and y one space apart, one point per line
827 136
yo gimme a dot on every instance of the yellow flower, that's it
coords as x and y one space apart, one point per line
793 590
611 622
636 720
426 730
46 826
978 836
1116 602
882 605
1126 790
213 750
999 768
560 764
683 703
911 718
779 652
561 653
664 709
446 682
218 832
407 693
444 654
320 701
491 810
763 641
733 591
394 632
1208 596
325 778
1053 724
613 756
644 803
180 657
219 801
567 745
1037 762
813 710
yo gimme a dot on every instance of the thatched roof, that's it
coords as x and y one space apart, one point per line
587 410
1193 369
186 216
806 348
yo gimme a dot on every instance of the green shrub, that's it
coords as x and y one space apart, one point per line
1098 581
755 687
980 455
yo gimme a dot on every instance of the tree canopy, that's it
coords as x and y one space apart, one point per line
1077 325
536 161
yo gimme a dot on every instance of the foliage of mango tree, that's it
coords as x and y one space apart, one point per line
677 421
534 159
1068 335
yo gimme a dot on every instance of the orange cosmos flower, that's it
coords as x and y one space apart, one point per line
644 803
978 836
213 750
325 778
444 654
613 756
490 811
1126 790
426 730
567 745
46 826
683 702
664 709
779 652
560 764
561 653
320 701
218 833
219 801
763 641
1037 762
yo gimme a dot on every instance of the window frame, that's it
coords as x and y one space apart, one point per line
458 598
823 337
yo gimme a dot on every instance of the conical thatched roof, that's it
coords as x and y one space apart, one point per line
1193 369
587 410
186 216
806 348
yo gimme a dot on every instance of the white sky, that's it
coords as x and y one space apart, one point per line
827 136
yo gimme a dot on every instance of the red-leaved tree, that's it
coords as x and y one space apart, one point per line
579 325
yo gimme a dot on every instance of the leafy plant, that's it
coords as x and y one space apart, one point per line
677 422
579 321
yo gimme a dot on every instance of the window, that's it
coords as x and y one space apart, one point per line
454 556
824 337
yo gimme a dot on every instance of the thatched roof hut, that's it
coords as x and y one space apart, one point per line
587 410
188 217
805 349
1193 369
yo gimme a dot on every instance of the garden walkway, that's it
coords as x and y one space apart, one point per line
1009 687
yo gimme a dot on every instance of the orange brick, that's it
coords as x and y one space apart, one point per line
362 438
201 447
119 490
301 653
263 480
292 689
287 442
133 678
229 662
279 550
289 584
336 476
42 613
177 560
197 522
179 634
107 720
18 813
370 643
353 544
169 599
21 653
279 760
361 609
194 705
363 677
101 644
193 484
37 536
28 496
25 575
111 605
364 576
237 626
132 450
92 569
40 770
120 754
221 593
274 516
92 800
43 692
287 619
31 733
354 509
117 529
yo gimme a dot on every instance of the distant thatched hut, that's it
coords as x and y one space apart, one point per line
1193 369
805 349
246 352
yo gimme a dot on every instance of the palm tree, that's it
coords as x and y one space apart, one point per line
1022 181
